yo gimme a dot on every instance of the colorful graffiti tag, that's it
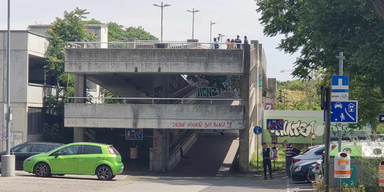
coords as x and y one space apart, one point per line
217 86
296 129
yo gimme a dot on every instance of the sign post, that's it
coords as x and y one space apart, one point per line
257 130
326 106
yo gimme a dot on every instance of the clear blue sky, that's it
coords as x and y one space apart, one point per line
233 17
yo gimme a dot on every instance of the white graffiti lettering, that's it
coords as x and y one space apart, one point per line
297 129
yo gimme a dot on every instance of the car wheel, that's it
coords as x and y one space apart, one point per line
42 170
103 172
310 177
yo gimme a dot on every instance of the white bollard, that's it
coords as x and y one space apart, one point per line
342 165
8 166
381 174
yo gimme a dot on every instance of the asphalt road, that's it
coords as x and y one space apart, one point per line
28 182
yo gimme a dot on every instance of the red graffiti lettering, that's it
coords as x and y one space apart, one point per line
207 125
195 124
156 142
178 124
221 124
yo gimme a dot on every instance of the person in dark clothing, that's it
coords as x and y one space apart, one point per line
238 42
288 159
267 154
245 40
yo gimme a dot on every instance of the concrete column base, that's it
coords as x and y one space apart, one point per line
8 166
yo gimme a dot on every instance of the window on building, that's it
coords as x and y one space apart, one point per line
35 120
90 149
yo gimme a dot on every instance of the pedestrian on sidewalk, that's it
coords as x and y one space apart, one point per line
267 154
288 159
238 42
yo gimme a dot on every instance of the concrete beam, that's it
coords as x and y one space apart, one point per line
153 116
176 61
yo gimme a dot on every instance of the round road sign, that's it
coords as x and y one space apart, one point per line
257 130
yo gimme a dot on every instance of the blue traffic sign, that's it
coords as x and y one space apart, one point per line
133 134
340 83
275 124
257 130
381 118
344 112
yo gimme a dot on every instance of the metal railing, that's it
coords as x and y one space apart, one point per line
152 45
100 100
180 140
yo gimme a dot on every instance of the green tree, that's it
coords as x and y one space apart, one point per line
319 30
69 28
118 32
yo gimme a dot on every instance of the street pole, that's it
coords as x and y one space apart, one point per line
210 36
162 7
326 92
193 21
341 60
8 160
9 79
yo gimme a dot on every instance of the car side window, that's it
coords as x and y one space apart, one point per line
52 147
90 149
22 148
70 150
319 152
38 148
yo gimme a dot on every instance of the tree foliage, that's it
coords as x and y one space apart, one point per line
117 32
69 28
319 30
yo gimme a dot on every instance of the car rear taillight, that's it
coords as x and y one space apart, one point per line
296 160
110 149
318 167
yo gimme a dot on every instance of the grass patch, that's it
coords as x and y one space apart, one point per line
279 163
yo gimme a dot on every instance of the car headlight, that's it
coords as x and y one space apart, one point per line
297 169
29 159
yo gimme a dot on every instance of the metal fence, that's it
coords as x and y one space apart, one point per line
153 45
127 100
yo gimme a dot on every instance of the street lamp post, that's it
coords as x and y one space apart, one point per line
221 39
162 7
193 21
210 37
8 160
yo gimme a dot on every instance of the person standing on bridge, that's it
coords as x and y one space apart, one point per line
288 159
215 44
267 154
238 42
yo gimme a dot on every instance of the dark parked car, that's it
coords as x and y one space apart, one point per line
25 150
302 173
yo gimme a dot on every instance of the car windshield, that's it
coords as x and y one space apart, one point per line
306 151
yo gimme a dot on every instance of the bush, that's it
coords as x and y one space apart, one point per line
52 133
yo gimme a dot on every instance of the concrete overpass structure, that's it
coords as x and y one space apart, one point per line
135 73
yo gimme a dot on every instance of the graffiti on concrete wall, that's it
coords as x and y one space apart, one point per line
217 86
207 92
206 125
296 129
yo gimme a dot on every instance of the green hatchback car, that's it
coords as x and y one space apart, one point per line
77 158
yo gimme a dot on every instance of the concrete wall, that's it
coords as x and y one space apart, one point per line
23 44
177 61
153 116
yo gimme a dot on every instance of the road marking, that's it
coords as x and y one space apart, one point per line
288 188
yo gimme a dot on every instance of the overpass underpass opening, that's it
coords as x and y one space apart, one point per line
212 153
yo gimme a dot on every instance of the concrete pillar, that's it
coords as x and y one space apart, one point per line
165 150
157 162
79 91
244 134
